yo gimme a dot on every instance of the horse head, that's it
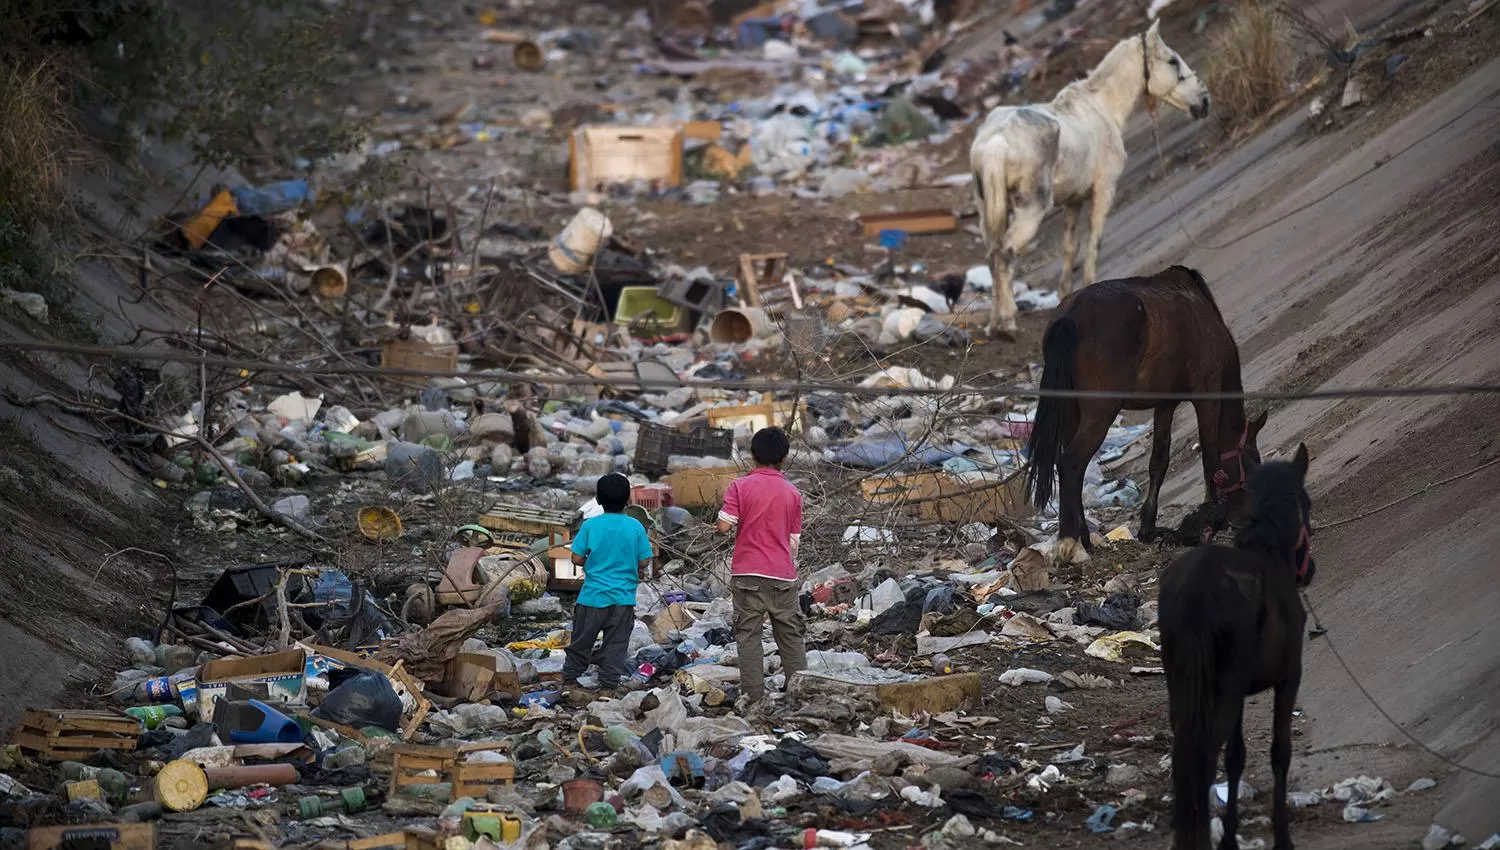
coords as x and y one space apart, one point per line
1236 463
1168 77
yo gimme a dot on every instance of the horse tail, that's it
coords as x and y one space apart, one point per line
987 160
1189 661
1059 362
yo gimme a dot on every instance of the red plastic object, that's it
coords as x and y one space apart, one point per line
652 496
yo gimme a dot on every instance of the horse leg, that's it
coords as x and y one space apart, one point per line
1104 197
1161 456
1069 247
1234 768
1208 443
1281 756
1002 262
1094 419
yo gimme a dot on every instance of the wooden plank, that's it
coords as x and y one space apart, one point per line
374 842
103 836
911 221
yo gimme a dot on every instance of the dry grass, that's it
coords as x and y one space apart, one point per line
37 135
1250 63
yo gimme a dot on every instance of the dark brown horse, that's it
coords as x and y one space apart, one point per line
1232 626
1160 334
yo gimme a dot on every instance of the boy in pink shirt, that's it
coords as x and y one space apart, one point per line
765 510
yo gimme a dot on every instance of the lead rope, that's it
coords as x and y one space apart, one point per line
1318 630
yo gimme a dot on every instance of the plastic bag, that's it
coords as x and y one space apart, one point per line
364 699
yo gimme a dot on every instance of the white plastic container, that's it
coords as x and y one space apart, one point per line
573 250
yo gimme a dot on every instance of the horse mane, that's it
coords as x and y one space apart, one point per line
1198 284
1275 511
1090 84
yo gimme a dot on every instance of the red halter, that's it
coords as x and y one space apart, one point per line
1304 546
1235 454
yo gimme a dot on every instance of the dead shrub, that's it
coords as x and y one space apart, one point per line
1250 63
36 135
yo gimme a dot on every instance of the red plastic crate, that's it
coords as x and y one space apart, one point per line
652 496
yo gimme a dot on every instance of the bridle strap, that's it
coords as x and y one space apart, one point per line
1236 454
1304 546
1146 74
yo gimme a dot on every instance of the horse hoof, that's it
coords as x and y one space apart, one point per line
1070 551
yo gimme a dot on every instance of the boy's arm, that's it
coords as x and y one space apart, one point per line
796 540
643 554
729 517
580 546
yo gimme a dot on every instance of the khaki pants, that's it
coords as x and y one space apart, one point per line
755 600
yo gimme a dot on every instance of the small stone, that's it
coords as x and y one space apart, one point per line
1123 775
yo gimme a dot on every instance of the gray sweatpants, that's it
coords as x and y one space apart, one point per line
616 623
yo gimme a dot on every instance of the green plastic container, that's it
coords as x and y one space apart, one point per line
637 300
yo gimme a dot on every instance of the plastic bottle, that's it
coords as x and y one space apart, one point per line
942 665
152 716
601 815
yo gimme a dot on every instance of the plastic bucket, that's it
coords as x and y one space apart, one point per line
331 281
573 250
579 794
738 324
528 56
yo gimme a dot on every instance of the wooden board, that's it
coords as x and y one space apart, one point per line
114 836
911 221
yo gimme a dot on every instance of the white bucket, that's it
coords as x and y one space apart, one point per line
573 250
738 324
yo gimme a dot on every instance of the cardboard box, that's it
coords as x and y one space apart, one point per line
701 488
600 156
416 354
101 836
278 677
756 416
473 675
674 617
936 495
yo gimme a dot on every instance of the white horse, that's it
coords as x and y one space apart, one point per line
1026 158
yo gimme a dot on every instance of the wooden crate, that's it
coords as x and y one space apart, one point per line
468 779
62 735
764 284
600 156
475 778
409 761
537 523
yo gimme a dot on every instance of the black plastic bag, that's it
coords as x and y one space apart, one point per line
790 758
1117 612
364 698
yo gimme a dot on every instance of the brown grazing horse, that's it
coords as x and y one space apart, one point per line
1159 334
1232 626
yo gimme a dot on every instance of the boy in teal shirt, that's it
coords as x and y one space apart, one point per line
613 549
